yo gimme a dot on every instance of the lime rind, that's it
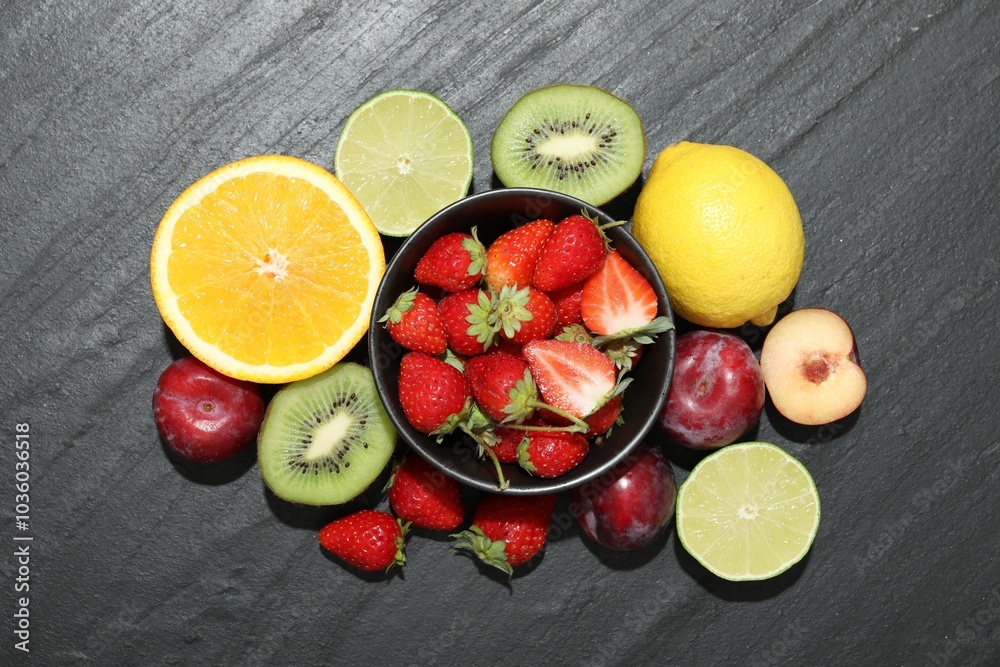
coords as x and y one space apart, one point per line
405 155
783 499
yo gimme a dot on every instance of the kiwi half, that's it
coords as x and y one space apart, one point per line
325 439
578 140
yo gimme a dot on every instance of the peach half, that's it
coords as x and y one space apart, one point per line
811 368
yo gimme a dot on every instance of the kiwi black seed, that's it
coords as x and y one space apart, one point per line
578 140
325 439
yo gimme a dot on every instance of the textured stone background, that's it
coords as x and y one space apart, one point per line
883 119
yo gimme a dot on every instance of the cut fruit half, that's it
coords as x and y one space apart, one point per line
325 439
578 140
405 155
266 269
749 511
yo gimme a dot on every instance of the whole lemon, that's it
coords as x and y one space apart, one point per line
724 232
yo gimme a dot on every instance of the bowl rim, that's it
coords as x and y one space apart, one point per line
437 455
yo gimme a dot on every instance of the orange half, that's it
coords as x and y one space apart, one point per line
266 269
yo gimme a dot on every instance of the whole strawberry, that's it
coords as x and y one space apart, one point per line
434 395
524 314
370 540
414 322
468 321
509 439
511 259
425 496
550 454
573 251
567 304
454 262
508 531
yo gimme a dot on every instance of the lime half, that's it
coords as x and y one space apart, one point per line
749 511
405 155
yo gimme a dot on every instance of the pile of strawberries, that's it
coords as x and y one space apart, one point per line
525 349
528 343
506 530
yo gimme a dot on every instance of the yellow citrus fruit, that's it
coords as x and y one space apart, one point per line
266 269
724 232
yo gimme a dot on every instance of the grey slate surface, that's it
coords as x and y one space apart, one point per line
882 117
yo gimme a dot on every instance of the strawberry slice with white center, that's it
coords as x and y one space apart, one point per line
617 298
573 377
619 304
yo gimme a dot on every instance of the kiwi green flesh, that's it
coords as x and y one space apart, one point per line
578 140
325 439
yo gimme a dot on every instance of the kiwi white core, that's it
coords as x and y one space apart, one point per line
329 436
567 147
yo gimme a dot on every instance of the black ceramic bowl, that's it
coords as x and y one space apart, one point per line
493 213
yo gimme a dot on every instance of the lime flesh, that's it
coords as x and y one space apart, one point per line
748 511
405 155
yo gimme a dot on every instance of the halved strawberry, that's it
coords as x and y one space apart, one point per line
617 300
573 377
467 318
454 262
511 259
573 251
414 322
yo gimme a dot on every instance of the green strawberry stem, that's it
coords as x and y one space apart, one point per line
400 543
572 428
483 449
616 223
562 413
488 551
643 335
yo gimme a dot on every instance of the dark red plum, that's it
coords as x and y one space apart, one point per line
630 505
203 415
717 392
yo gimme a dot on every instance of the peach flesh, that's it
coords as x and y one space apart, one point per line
810 367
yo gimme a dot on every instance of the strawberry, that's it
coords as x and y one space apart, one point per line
567 303
549 454
624 353
434 395
502 386
576 333
425 496
598 422
573 251
415 323
467 318
573 377
618 300
507 531
509 439
510 260
369 540
454 262
524 314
